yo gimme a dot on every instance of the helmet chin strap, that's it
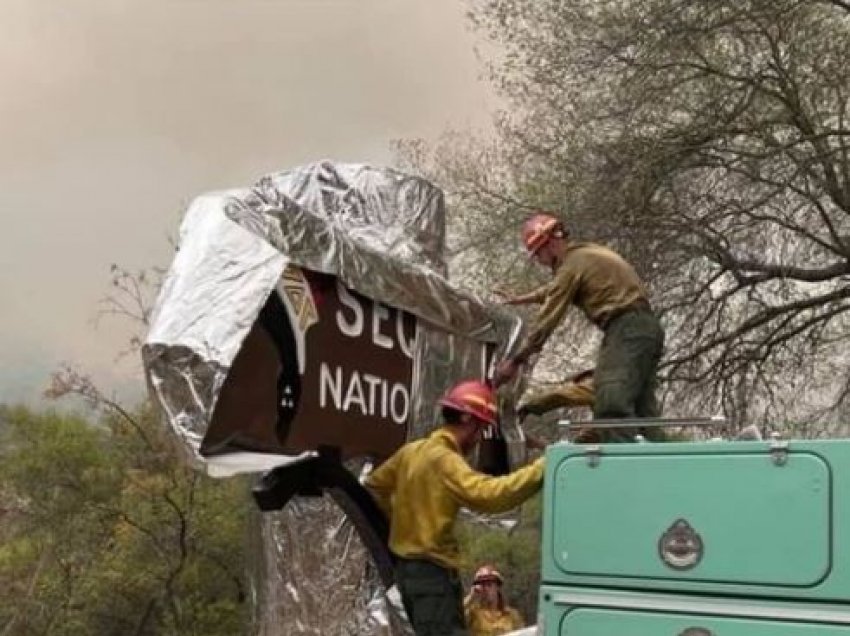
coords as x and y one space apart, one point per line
470 431
558 257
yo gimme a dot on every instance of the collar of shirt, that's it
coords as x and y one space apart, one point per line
444 437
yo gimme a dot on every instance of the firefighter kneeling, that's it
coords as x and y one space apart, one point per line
423 486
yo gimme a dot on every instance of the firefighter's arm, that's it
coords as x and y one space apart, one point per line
469 604
560 295
484 493
516 618
534 296
381 482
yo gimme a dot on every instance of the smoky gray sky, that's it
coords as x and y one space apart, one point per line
114 114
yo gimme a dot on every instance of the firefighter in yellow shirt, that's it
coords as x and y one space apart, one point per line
423 486
487 613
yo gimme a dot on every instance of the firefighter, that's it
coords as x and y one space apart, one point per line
423 486
487 613
607 289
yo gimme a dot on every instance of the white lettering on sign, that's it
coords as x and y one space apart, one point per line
354 327
354 395
373 381
380 314
351 322
328 383
363 393
405 344
384 400
399 395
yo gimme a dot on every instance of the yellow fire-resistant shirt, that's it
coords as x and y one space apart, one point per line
482 621
595 279
424 484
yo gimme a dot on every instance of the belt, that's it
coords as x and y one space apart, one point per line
608 317
429 563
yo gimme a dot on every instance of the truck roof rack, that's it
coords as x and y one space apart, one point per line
644 422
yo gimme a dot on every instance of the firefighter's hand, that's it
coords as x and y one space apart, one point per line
534 443
502 295
506 371
507 298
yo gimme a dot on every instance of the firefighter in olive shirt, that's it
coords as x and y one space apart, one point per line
423 486
608 291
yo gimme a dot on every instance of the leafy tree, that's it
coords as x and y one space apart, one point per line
708 141
106 528
109 533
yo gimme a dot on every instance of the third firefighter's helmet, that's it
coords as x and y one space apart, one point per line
473 397
539 228
487 573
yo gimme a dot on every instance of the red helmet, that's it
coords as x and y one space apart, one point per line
538 229
473 397
487 573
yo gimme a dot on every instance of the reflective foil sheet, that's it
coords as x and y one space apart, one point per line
314 576
246 355
378 232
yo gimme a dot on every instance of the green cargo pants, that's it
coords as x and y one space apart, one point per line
625 377
432 597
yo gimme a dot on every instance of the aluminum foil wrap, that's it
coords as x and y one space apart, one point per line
381 233
315 577
378 231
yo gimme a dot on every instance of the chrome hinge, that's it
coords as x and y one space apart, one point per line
779 452
594 455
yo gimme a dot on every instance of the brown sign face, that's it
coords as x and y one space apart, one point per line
322 365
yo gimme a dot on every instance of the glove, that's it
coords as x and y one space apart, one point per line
506 371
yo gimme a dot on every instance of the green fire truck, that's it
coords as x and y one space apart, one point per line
707 538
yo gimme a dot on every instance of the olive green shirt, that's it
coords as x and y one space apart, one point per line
594 278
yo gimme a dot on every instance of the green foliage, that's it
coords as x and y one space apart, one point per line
106 531
708 143
515 553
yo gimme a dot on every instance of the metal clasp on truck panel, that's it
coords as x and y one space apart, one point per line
779 452
680 547
594 455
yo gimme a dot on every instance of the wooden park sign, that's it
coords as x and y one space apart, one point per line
321 366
